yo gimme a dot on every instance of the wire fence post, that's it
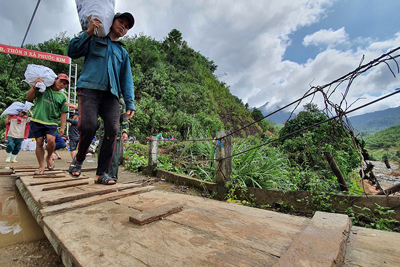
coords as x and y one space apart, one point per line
335 168
223 168
153 153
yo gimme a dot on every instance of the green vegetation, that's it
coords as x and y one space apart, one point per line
178 94
384 144
363 216
175 87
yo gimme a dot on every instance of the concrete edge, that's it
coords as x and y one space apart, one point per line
322 243
32 205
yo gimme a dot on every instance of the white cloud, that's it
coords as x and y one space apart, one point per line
246 39
328 66
329 37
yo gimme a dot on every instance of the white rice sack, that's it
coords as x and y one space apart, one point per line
16 107
41 86
38 71
100 9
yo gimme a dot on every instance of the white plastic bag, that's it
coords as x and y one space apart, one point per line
100 9
38 71
16 107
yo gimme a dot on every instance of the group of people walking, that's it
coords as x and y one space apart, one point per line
105 79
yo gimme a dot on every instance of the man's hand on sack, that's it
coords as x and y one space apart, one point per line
94 24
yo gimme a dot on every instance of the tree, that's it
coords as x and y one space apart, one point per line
175 87
306 148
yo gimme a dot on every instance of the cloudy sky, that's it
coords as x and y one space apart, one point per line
266 50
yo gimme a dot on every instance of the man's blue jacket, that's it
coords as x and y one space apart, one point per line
106 66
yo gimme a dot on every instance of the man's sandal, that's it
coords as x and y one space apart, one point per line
75 167
105 179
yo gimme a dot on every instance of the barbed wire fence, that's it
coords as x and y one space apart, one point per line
335 112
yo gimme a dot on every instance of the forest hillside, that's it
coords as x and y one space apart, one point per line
384 145
176 90
373 122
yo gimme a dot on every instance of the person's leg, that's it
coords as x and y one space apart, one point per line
40 154
73 153
113 170
58 155
99 148
17 148
89 104
9 148
50 148
18 143
110 113
38 131
72 147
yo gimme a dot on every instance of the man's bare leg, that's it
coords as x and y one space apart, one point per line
40 155
50 147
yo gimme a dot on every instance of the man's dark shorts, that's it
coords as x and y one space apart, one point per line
37 130
73 143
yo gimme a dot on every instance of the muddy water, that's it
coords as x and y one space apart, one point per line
17 224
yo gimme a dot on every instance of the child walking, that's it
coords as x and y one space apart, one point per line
17 129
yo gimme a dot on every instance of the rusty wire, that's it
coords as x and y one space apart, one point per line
333 111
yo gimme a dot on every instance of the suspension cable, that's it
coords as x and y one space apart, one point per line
23 41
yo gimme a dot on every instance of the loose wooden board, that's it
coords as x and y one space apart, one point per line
80 203
157 213
55 197
48 180
46 173
66 184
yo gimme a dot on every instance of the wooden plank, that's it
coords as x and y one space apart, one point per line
84 169
101 234
6 171
65 185
82 192
38 181
24 167
61 175
322 243
152 215
37 193
36 168
31 170
51 210
370 247
269 231
46 173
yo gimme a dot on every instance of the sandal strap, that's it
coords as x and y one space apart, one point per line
104 179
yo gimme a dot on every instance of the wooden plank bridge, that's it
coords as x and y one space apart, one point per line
134 225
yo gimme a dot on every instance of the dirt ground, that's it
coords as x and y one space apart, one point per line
41 253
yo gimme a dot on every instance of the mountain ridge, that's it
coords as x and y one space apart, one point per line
376 121
371 122
279 117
